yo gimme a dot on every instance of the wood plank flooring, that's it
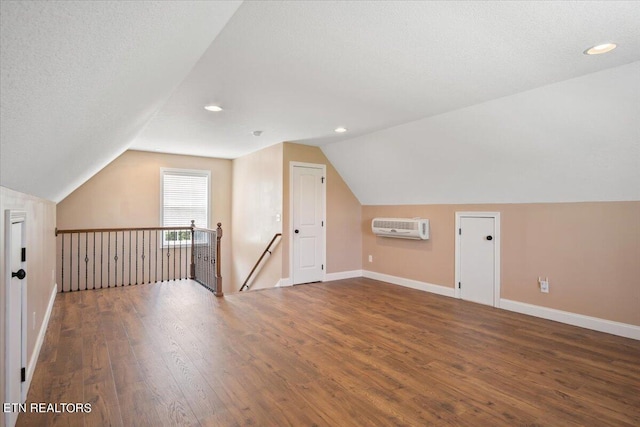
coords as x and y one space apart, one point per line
354 352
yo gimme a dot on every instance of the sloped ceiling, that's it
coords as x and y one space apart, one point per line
573 141
297 70
83 81
80 79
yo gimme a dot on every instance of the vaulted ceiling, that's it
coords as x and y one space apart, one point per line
82 82
79 80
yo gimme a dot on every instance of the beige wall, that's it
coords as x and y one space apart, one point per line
41 219
256 216
126 193
344 234
589 251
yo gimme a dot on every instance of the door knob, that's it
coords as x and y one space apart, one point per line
296 231
489 237
20 274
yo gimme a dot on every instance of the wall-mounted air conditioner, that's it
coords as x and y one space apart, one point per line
402 228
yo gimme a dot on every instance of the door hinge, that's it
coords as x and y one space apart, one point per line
23 375
459 285
322 180
322 266
24 254
459 231
322 223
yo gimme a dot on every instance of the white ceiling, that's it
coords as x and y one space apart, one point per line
80 79
297 70
576 140
83 81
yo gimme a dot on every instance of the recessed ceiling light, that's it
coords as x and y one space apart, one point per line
340 129
214 108
601 48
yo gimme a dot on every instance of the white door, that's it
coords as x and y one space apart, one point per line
477 238
307 224
15 355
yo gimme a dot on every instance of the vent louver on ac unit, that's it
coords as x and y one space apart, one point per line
402 228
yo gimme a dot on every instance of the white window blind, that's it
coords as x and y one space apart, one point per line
185 197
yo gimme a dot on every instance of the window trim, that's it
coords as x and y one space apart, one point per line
187 172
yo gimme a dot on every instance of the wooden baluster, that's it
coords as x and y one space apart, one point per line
218 291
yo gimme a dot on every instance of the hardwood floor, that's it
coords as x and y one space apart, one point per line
354 352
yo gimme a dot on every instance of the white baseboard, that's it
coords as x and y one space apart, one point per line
36 350
409 283
285 281
588 322
341 275
594 323
329 277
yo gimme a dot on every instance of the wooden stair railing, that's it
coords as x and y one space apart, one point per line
267 250
97 258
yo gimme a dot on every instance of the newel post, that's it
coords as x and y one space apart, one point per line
218 291
192 274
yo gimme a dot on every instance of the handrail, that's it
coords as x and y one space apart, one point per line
275 236
105 230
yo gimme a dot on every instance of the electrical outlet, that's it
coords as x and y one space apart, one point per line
544 285
370 258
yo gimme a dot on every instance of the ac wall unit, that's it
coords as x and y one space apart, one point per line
401 228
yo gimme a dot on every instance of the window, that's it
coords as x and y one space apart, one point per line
185 197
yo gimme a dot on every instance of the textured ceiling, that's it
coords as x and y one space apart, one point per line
83 81
297 70
80 79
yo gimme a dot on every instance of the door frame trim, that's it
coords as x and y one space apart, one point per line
293 164
14 217
496 252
